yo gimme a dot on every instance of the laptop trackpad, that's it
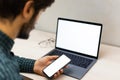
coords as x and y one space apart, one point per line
75 71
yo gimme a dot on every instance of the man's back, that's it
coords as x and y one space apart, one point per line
9 68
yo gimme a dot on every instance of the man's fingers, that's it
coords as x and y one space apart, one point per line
55 76
58 73
48 63
52 57
61 71
66 66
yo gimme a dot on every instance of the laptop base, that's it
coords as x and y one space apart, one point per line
73 70
76 71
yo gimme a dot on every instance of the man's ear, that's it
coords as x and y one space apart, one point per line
28 10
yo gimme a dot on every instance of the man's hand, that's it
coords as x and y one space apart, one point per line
40 64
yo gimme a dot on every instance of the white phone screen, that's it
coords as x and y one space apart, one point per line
56 65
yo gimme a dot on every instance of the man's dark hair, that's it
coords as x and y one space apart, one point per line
9 9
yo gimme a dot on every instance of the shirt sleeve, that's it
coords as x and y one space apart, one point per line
2 76
25 64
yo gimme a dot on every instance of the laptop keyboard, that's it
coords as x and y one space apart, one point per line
76 60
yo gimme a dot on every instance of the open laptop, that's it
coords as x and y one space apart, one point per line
80 41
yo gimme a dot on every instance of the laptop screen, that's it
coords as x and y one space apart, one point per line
78 36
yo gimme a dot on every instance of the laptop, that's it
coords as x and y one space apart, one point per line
80 41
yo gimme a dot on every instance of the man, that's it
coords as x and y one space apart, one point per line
17 18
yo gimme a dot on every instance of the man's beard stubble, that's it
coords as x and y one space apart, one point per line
26 28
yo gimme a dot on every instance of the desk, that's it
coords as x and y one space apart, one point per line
106 68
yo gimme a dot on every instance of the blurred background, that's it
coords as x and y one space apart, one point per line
106 12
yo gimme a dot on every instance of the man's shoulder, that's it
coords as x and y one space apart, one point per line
2 67
2 71
3 57
8 68
3 61
6 62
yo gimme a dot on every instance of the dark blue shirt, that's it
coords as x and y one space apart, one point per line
11 65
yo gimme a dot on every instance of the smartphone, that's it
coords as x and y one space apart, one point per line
56 65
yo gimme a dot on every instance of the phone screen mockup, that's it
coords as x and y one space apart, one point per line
58 64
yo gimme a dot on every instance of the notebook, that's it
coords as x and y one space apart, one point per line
80 41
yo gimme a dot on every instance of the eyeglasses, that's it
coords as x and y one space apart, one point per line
47 43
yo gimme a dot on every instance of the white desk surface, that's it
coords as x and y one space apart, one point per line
106 68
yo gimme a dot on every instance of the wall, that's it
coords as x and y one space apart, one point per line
106 12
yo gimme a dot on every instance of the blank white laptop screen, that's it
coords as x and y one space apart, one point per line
78 37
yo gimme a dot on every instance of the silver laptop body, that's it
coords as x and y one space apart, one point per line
77 39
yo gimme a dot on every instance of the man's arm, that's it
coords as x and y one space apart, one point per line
36 66
25 64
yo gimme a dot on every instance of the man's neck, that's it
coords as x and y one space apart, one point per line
9 28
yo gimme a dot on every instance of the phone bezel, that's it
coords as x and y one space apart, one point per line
58 70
